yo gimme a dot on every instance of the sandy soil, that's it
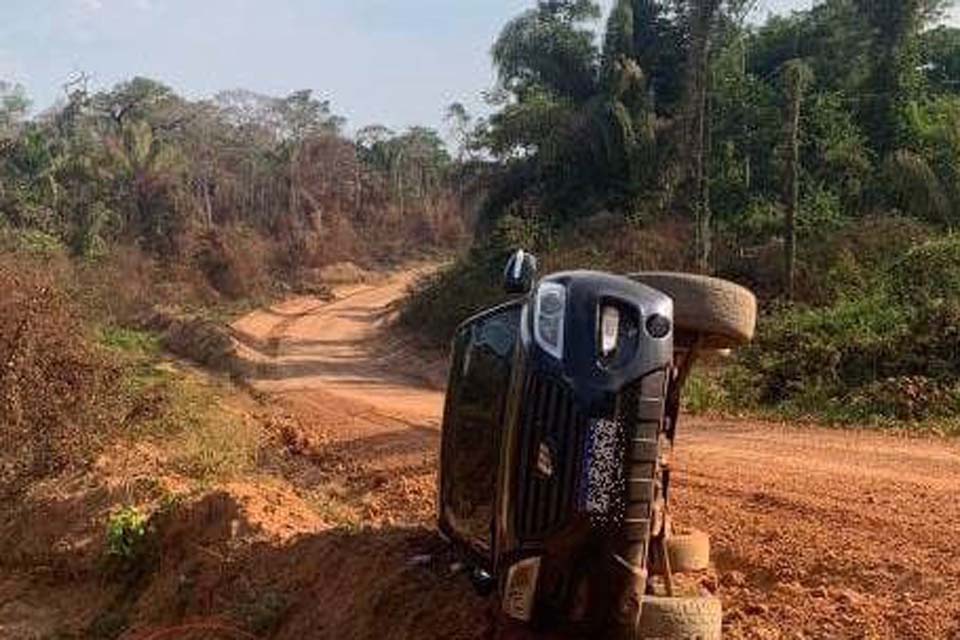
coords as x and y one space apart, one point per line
817 533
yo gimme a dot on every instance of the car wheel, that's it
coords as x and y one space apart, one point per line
724 314
698 618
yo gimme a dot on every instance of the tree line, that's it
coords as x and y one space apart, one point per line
139 164
776 132
758 135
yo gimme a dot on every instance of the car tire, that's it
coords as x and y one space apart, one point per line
724 314
689 550
699 618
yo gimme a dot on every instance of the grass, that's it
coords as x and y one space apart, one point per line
129 342
185 413
332 502
180 409
218 446
704 393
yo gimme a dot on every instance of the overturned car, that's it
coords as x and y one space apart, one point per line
561 410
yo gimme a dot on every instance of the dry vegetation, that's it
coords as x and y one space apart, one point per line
56 400
67 389
154 499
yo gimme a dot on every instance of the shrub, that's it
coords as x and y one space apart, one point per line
54 386
844 345
234 261
857 258
929 273
117 287
890 350
33 242
126 533
913 398
704 392
835 260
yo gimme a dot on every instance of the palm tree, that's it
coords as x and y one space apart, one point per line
146 172
797 78
577 125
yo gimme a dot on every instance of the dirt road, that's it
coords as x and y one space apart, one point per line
817 533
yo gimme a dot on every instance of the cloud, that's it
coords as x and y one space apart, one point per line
93 6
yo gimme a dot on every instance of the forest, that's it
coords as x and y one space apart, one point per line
201 183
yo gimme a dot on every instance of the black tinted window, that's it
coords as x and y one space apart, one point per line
483 358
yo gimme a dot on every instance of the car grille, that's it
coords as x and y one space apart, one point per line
551 432
552 427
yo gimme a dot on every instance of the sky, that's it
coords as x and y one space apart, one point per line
377 61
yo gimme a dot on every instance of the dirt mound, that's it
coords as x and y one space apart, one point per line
333 584
198 339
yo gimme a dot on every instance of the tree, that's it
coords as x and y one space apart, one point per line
702 15
145 172
302 116
578 126
460 122
797 78
548 48
895 70
14 105
924 180
659 45
940 52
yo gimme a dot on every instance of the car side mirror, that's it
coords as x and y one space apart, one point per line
520 272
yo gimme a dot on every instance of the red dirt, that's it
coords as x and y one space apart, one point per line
816 533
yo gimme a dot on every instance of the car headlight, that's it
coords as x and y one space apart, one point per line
549 313
609 330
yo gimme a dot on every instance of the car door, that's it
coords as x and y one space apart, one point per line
481 366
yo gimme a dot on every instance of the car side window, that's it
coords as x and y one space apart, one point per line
484 357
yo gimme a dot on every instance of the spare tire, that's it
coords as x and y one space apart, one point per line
722 314
699 618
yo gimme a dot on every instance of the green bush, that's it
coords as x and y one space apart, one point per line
857 258
32 242
889 350
127 531
705 392
929 273
135 342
